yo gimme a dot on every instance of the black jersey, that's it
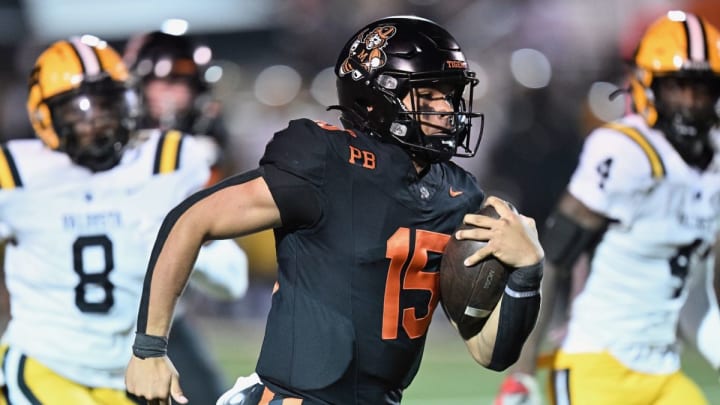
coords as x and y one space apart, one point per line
358 286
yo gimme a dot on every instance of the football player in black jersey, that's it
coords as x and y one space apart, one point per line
361 215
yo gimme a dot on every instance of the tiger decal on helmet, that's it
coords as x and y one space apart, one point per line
370 55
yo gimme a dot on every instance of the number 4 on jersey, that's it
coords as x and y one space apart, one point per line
603 169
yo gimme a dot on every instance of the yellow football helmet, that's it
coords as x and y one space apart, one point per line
676 82
78 101
678 42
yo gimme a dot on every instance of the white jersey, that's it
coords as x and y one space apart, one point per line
81 245
664 219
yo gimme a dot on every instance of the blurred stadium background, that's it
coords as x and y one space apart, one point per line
546 68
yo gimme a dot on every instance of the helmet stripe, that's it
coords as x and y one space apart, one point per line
706 40
88 58
697 50
167 156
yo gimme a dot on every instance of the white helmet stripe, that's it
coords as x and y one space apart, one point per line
87 56
696 38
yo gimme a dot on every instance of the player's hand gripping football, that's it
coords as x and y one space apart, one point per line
518 389
155 379
512 238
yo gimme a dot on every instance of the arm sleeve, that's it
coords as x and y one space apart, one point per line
499 343
518 314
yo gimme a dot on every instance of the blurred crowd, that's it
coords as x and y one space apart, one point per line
547 69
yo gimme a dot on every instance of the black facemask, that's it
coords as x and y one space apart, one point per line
688 127
94 124
691 140
102 154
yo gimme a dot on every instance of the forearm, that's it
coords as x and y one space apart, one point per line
527 362
170 266
236 206
176 247
498 344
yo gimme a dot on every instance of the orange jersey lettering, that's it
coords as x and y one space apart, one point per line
365 157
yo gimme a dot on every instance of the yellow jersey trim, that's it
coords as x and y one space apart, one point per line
657 167
167 157
9 177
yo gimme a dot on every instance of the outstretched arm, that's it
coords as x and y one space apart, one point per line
236 206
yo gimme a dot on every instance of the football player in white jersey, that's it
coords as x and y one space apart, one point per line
80 207
644 201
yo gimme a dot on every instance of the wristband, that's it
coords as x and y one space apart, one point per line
149 346
526 278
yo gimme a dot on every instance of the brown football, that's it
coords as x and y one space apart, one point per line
469 294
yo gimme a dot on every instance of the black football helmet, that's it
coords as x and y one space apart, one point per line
388 60
158 55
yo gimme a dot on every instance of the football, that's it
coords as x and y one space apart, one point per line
469 294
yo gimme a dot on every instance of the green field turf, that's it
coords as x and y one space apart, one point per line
448 375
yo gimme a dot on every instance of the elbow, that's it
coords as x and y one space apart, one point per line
497 360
